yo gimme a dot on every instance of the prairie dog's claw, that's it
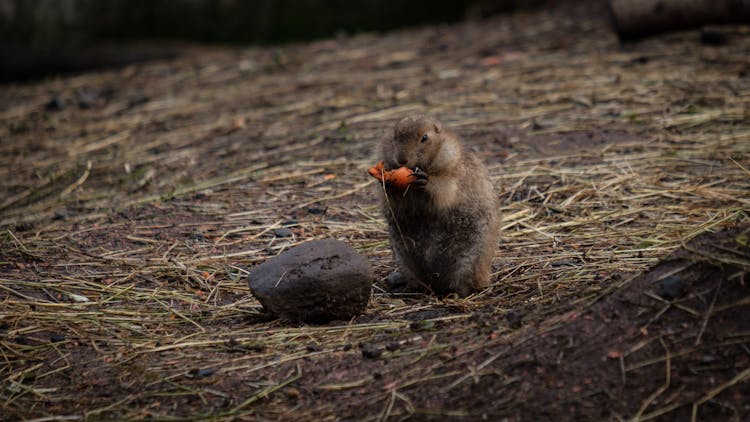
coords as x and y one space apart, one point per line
419 179
419 173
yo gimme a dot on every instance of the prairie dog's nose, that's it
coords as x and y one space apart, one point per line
401 160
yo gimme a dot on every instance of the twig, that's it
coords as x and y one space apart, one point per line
660 390
267 391
81 180
709 311
740 377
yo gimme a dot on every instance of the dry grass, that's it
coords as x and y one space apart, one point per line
128 228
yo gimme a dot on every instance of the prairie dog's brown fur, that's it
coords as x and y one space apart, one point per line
444 227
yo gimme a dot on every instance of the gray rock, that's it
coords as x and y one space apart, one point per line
317 281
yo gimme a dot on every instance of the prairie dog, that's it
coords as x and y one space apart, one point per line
444 227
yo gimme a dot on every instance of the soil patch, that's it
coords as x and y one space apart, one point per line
634 353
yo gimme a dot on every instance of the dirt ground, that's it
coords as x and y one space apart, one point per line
133 201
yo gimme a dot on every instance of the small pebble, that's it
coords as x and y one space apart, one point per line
61 215
371 351
670 288
85 100
709 359
55 104
203 372
56 338
316 210
515 319
282 232
197 235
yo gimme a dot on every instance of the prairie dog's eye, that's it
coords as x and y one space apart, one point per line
424 138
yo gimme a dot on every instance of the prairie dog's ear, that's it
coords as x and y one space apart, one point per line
437 127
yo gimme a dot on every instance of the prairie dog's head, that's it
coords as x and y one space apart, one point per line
421 141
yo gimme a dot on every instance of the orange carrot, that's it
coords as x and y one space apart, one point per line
399 178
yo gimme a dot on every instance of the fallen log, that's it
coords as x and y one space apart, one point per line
634 19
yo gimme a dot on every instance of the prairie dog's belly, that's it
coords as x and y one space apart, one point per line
423 245
433 245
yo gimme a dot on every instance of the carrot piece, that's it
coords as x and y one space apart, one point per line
399 178
376 171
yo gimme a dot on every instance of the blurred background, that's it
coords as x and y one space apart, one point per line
40 38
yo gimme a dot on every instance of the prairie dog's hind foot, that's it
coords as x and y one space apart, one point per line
395 282
400 282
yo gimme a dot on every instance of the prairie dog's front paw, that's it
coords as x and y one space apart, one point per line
419 179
